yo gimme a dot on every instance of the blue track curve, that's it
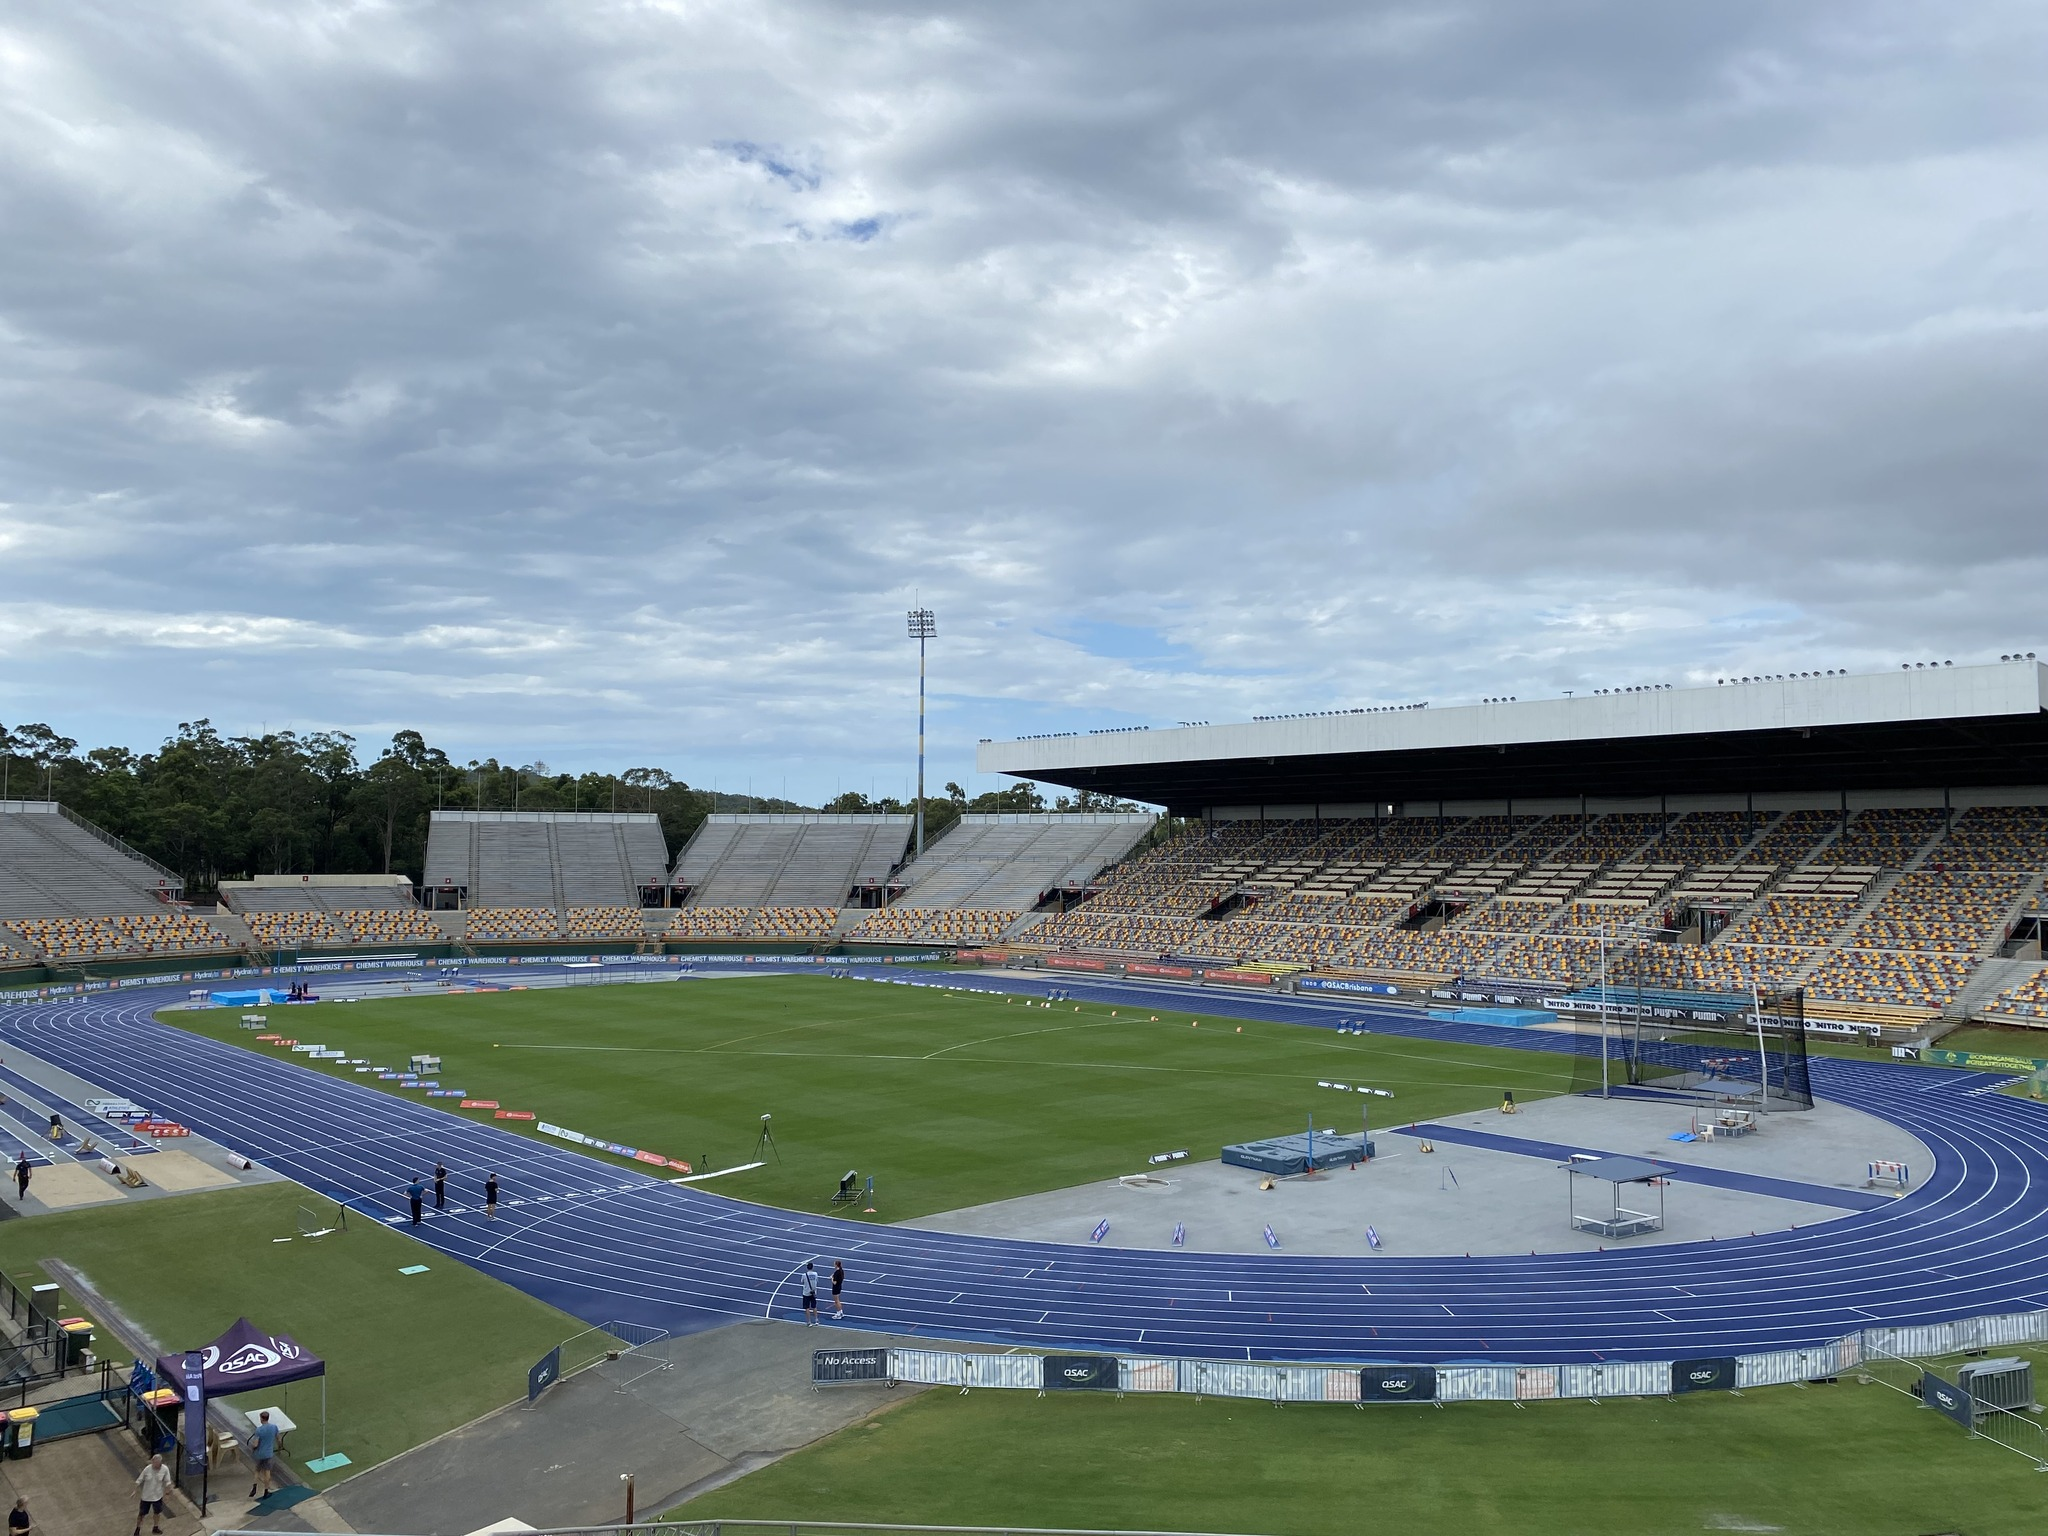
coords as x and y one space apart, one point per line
603 1242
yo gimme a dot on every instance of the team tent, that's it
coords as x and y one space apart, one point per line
246 1359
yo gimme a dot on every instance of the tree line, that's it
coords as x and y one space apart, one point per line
215 807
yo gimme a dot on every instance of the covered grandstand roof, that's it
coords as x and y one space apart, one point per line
1942 727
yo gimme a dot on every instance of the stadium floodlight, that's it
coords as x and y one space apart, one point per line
924 626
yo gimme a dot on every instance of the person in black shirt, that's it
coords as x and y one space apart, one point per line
18 1521
491 1195
440 1186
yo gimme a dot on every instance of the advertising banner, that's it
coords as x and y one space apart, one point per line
1716 1375
1397 1384
1080 1373
1075 963
1346 984
1152 968
545 1370
1946 1397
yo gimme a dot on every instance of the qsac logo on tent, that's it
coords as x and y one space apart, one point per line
251 1357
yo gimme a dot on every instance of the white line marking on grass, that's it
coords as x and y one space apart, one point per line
1050 1029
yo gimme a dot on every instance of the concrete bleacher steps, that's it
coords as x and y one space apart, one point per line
1990 978
53 864
552 859
801 859
1009 862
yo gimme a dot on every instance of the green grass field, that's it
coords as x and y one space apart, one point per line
947 1098
408 1356
1840 1459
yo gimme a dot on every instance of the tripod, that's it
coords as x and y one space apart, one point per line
766 1140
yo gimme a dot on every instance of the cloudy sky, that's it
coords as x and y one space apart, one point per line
599 382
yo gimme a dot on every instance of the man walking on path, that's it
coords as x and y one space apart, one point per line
417 1193
838 1281
262 1448
491 1196
440 1186
21 1176
810 1285
152 1483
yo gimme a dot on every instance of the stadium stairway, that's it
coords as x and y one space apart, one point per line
1879 889
236 927
1991 978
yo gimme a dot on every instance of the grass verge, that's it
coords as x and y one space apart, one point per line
1844 1458
408 1356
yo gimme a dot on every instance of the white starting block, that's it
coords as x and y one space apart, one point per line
424 1065
253 1021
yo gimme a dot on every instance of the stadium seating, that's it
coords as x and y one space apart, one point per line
604 923
2027 1000
933 925
811 859
1008 863
511 923
388 925
1791 839
54 864
777 923
127 933
1887 838
553 859
290 930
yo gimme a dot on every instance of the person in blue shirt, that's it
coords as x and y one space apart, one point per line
417 1193
262 1447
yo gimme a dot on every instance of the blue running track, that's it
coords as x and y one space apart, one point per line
604 1242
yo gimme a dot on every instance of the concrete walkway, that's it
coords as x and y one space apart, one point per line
737 1398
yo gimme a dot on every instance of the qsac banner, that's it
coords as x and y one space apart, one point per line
1946 1397
1703 1375
544 1372
1345 984
1397 1384
1080 1373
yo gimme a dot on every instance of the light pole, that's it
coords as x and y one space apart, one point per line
923 627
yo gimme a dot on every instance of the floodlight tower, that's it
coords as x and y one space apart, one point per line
923 627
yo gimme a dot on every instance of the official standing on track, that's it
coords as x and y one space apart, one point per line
440 1186
838 1282
810 1285
491 1196
21 1176
417 1193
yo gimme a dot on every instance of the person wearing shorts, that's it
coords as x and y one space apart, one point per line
152 1483
491 1195
810 1285
838 1282
262 1448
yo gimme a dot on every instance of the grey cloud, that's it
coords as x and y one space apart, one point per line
606 378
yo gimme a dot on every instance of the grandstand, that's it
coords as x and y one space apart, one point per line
1767 836
795 860
557 860
331 911
1009 863
70 892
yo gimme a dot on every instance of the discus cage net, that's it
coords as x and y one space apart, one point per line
1736 1048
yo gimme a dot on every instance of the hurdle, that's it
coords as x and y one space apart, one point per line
1101 1231
1271 1240
1886 1174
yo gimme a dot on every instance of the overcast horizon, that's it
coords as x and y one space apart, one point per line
599 384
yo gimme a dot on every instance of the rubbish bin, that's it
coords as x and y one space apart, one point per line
77 1333
21 1422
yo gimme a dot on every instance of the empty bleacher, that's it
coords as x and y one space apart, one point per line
1009 863
308 911
553 859
1885 911
798 859
53 864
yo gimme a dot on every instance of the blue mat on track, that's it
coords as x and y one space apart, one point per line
1718 1178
